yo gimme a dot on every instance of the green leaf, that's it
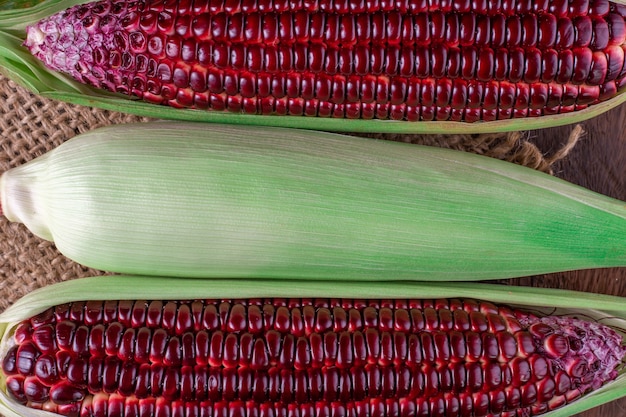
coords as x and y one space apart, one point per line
237 201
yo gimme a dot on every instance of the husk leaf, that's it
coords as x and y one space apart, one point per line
181 200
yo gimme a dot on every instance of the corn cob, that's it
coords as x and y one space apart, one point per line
180 199
406 60
307 356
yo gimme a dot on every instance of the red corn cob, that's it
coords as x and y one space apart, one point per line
305 358
408 59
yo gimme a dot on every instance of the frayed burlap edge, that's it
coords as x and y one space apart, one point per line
31 126
515 147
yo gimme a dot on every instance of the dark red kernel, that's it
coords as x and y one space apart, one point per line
184 55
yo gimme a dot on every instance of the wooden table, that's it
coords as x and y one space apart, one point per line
598 162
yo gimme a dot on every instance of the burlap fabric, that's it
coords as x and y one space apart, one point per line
30 126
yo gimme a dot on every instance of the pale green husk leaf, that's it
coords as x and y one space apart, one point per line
594 306
171 199
17 63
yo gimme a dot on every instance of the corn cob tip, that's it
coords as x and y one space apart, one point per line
582 347
34 39
16 202
44 41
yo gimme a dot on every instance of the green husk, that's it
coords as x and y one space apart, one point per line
610 310
180 199
17 63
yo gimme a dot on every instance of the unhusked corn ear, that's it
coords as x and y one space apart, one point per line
406 60
180 199
305 358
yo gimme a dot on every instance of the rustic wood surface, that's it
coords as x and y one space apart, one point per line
597 162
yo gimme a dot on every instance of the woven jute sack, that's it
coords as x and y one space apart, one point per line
30 126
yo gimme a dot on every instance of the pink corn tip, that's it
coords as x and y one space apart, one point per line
57 53
595 349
